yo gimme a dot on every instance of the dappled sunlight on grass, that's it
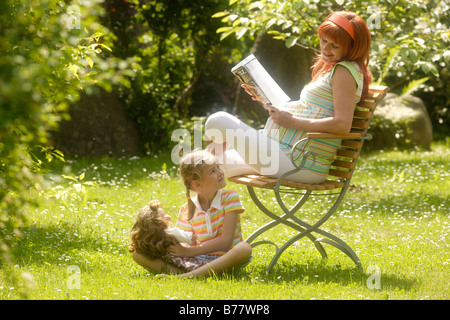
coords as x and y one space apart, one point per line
395 216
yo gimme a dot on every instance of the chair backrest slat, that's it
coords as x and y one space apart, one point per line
352 144
360 124
346 156
343 164
340 174
341 153
367 104
360 114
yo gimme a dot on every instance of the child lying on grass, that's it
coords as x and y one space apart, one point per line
152 234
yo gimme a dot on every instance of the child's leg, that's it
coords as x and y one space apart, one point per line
157 265
237 256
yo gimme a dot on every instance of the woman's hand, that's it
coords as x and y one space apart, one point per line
281 117
252 92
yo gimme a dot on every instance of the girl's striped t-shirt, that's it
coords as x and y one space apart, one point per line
316 102
208 225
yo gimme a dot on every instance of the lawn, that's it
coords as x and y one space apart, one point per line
396 217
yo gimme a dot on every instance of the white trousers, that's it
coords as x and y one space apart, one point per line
248 151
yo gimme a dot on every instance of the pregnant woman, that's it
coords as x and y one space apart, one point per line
340 78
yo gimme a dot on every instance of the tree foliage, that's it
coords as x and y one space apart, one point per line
410 39
171 43
49 51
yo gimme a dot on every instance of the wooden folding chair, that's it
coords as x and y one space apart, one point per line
337 184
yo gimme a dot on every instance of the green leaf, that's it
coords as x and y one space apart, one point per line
270 23
69 177
89 60
58 154
105 46
223 29
256 5
420 42
236 22
232 17
413 86
291 41
409 54
78 187
220 14
274 32
226 34
96 36
240 33
428 67
446 56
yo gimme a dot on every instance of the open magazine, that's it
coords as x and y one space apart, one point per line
250 72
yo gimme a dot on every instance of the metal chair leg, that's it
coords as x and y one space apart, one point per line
304 229
281 219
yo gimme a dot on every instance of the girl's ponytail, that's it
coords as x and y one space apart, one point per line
191 205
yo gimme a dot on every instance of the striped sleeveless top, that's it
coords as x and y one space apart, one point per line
316 102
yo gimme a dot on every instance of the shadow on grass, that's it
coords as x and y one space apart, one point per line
320 271
61 244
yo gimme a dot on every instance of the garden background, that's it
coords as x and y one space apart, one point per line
91 92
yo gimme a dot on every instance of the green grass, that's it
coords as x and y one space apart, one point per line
396 216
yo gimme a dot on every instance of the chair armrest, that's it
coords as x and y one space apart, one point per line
306 155
323 135
355 135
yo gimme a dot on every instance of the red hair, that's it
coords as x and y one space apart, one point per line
354 50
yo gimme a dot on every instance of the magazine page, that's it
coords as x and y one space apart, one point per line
251 72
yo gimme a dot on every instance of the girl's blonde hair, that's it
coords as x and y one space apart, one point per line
147 235
191 169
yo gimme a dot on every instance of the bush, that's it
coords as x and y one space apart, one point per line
49 50
173 43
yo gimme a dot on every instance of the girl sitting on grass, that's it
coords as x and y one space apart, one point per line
212 215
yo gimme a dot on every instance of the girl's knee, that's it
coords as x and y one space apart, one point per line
244 249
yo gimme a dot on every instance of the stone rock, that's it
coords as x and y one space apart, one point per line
98 126
401 122
289 67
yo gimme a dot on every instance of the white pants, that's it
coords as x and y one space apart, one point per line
249 151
